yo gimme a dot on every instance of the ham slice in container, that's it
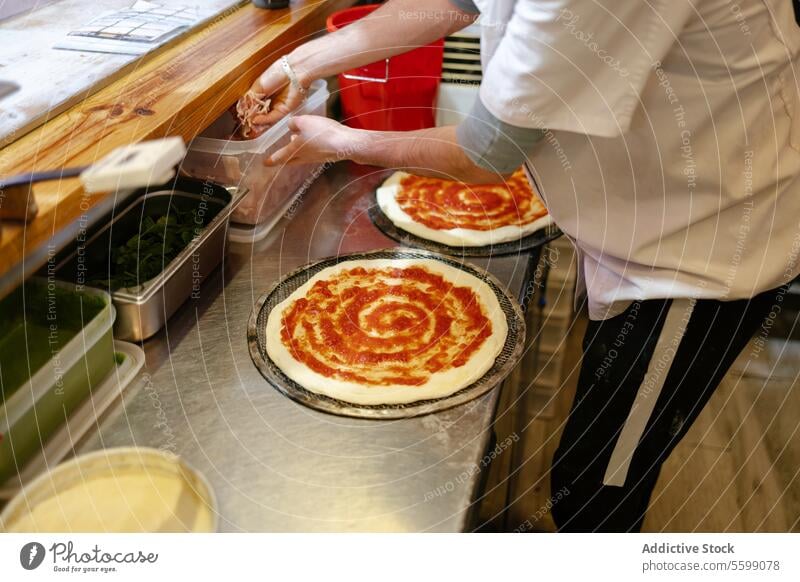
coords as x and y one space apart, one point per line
248 107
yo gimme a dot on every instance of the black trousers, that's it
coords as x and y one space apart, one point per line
623 363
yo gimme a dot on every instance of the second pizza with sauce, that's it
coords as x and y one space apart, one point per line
387 331
458 214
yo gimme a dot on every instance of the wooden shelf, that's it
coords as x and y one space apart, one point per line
179 91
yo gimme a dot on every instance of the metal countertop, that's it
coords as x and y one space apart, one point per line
274 464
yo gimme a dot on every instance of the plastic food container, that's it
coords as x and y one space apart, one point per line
129 359
126 489
56 345
143 310
240 162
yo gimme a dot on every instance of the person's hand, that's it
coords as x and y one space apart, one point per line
317 139
274 84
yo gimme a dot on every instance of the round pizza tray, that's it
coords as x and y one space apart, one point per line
514 247
504 363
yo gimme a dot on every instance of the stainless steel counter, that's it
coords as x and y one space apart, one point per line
274 464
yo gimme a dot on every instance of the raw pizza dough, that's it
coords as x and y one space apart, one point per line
407 322
478 205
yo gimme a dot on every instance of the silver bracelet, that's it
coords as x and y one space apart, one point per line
287 68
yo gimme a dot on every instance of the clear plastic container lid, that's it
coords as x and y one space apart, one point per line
318 95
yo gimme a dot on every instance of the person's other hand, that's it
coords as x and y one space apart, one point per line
274 84
316 139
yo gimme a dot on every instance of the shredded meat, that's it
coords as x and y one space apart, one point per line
249 106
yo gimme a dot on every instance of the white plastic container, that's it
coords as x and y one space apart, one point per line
118 490
240 162
60 338
60 444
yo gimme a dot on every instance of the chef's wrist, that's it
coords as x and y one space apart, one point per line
303 67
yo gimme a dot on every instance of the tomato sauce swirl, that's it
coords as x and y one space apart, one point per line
385 326
446 204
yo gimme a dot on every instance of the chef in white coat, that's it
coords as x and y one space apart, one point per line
664 137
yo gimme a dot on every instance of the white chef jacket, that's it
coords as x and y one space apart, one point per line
671 152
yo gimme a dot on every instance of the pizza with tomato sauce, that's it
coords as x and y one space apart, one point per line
458 214
387 331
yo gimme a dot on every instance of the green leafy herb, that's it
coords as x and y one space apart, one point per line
145 255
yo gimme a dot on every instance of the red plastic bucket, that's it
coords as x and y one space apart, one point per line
396 94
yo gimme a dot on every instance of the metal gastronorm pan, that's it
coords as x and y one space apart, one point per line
143 310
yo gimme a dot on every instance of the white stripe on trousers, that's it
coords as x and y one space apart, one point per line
669 340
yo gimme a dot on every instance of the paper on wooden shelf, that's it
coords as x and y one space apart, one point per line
132 31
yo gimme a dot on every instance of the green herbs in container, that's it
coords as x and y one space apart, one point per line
155 253
161 238
55 346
